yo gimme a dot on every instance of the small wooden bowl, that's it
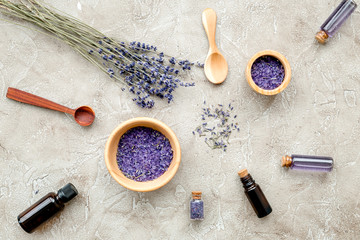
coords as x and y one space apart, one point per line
112 146
283 61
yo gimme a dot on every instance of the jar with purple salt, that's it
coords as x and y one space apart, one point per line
267 72
196 207
143 154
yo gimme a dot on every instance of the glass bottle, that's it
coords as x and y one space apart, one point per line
196 207
310 163
335 20
46 207
255 195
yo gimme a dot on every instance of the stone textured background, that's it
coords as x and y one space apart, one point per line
318 113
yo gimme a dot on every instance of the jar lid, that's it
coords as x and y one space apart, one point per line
286 161
321 37
196 194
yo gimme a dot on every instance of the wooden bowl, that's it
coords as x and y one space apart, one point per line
283 61
112 146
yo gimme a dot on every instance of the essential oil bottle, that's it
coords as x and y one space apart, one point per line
335 20
196 207
46 207
309 163
254 194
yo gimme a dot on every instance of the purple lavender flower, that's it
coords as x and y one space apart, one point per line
148 72
217 125
135 64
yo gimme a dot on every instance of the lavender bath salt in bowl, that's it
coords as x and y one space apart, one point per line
142 154
268 72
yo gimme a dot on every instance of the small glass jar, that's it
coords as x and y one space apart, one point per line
196 206
335 20
308 163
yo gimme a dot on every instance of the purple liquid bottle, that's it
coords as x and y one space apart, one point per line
309 163
335 20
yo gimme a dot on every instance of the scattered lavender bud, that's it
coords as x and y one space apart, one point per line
217 125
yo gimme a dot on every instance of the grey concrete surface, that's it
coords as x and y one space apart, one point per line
318 113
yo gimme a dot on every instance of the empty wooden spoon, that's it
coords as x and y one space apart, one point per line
83 115
216 67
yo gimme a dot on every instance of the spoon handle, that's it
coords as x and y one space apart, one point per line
32 99
209 22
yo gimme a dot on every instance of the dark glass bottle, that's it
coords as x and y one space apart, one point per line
254 194
46 207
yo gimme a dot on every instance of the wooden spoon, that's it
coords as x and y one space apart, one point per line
216 67
83 115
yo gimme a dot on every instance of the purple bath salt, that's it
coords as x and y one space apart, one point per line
267 72
143 154
196 206
197 210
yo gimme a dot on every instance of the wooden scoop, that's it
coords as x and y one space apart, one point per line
83 115
216 67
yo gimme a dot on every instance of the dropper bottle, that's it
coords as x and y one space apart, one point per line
46 208
308 163
335 20
254 194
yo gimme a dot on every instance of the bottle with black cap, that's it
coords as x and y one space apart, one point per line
254 194
46 207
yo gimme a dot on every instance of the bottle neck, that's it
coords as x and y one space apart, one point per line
248 182
59 201
196 197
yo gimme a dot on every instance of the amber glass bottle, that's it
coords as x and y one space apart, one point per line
254 194
46 207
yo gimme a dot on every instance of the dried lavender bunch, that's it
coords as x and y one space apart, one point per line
217 125
145 72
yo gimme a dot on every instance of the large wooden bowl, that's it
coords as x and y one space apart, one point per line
283 61
112 146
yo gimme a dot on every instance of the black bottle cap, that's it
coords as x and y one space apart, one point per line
67 192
